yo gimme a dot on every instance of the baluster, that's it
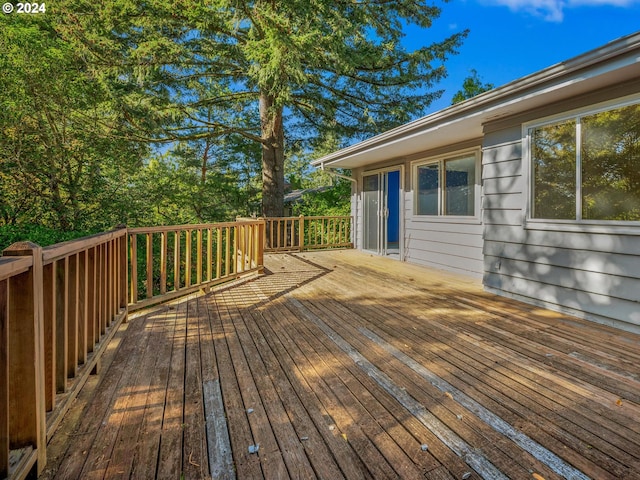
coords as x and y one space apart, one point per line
149 265
199 257
187 262
25 332
163 263
49 321
209 253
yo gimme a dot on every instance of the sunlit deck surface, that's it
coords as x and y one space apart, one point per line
345 365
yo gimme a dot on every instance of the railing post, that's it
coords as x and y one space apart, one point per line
26 355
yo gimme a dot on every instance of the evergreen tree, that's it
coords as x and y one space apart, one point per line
471 87
294 70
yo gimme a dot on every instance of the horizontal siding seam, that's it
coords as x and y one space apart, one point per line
558 285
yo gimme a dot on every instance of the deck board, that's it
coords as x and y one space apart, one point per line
345 365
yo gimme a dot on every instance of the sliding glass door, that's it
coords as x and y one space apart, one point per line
381 212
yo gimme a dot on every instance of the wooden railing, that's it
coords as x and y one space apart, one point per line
61 305
306 233
59 308
167 262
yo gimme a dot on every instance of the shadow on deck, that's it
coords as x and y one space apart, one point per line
343 365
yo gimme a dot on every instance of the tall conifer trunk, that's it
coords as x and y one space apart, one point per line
272 134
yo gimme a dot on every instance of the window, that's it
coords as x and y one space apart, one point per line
447 187
587 167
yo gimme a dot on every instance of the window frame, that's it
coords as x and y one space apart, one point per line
440 160
577 224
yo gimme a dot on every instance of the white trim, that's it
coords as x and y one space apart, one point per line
610 227
440 160
577 224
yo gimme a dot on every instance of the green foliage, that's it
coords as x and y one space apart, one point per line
471 87
265 71
64 158
43 236
162 112
335 201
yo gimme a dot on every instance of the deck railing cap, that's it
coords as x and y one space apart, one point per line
19 249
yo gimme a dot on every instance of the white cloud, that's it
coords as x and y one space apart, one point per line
553 10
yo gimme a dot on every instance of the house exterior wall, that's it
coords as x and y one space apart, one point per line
446 242
592 273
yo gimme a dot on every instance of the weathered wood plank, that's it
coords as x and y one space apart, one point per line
195 452
287 438
247 465
132 403
96 410
218 441
269 453
293 378
170 451
145 461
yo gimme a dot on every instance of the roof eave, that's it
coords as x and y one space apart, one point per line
537 80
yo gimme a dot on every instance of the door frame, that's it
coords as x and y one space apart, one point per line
382 243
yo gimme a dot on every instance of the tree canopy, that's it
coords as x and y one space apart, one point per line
184 111
269 72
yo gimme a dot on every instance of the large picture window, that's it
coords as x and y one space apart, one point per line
447 187
587 167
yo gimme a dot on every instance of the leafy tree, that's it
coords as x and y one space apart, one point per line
471 87
294 70
64 158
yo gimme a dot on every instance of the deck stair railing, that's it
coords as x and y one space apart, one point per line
61 305
285 234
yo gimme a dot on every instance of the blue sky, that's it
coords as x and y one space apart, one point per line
510 39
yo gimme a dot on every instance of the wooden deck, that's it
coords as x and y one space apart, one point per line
345 365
